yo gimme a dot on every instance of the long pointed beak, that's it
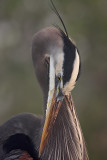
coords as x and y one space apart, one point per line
54 103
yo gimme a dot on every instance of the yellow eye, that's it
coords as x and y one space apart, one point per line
59 77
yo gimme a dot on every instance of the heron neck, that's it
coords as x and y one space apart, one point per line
66 141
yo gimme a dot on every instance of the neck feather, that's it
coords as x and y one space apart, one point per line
66 140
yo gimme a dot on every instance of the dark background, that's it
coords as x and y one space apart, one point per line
86 22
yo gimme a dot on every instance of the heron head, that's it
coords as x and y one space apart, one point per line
57 64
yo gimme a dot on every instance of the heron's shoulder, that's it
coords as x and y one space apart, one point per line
25 123
21 118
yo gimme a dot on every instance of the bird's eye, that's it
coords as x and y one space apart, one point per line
59 77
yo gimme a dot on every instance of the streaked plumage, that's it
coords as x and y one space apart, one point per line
58 135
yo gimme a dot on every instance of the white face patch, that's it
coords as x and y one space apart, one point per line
71 84
59 63
56 63
51 83
51 74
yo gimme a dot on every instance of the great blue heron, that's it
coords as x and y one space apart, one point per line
56 136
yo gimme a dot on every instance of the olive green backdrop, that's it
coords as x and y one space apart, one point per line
86 21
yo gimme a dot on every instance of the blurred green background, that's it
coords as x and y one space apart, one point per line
86 21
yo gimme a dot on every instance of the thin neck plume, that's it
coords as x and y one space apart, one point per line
66 141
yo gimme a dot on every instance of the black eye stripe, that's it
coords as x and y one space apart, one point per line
69 57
